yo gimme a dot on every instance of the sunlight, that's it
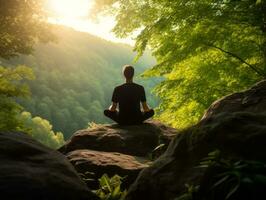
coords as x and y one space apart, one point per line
70 8
75 14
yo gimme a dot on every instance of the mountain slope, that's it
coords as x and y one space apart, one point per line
75 78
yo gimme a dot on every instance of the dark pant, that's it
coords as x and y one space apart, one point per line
114 115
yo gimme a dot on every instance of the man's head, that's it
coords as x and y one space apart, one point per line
128 72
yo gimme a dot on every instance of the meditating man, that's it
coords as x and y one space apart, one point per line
127 98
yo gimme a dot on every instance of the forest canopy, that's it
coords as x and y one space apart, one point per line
205 49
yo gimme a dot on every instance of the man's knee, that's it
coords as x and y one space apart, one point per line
110 114
151 111
106 112
148 114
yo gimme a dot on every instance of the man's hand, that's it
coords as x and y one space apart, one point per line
145 106
113 107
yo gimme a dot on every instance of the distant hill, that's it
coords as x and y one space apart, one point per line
75 78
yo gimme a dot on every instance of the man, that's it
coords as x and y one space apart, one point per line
128 97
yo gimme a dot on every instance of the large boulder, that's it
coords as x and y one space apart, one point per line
235 125
115 149
139 140
29 170
93 164
252 100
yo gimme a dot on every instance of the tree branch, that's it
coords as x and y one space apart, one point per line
259 72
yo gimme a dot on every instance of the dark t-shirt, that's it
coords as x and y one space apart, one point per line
128 96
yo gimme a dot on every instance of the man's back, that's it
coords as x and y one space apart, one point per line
128 96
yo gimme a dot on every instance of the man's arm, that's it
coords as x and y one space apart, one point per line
114 101
113 107
143 101
145 106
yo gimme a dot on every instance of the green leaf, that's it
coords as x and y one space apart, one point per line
222 180
232 191
258 2
159 147
116 192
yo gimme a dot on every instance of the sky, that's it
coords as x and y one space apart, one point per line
74 13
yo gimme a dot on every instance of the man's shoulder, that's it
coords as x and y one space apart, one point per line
119 86
135 85
138 85
129 85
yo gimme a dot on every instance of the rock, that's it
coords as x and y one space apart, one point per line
139 140
29 170
106 162
115 149
236 125
252 100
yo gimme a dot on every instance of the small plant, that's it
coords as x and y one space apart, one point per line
232 175
87 176
92 125
191 191
213 158
235 173
110 188
157 151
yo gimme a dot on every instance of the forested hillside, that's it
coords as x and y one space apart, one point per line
75 77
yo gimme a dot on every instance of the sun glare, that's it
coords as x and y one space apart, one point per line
75 14
70 8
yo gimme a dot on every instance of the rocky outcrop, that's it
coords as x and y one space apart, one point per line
252 100
98 163
115 149
139 140
235 125
29 170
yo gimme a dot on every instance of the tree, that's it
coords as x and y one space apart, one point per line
11 87
41 130
22 24
205 49
96 111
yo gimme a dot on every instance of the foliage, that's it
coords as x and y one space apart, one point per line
87 177
212 159
110 188
234 174
22 24
231 179
93 125
75 79
189 195
41 130
205 49
12 86
157 151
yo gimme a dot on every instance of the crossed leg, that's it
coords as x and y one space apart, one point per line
114 115
147 115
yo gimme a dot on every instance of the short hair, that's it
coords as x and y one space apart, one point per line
128 71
